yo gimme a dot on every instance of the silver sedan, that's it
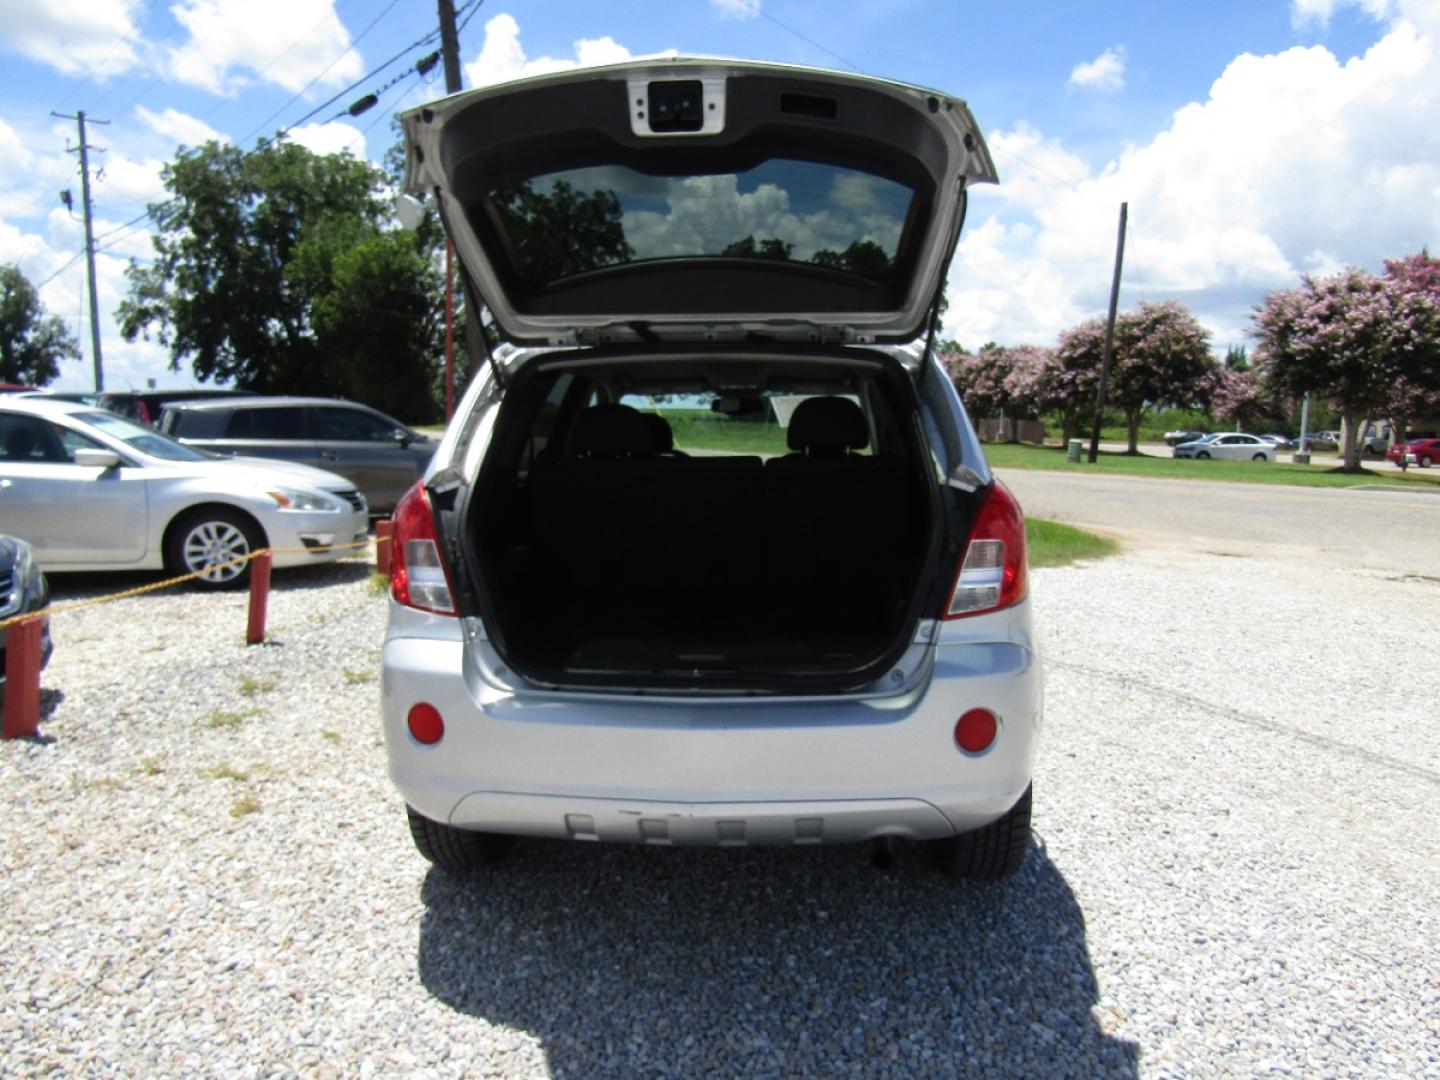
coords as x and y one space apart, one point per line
1233 447
91 490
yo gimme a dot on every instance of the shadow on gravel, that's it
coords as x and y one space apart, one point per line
638 961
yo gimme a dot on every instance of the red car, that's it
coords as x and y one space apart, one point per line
1426 451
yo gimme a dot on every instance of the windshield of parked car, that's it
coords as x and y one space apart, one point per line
138 438
578 220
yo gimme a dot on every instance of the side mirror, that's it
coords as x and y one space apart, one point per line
96 459
402 437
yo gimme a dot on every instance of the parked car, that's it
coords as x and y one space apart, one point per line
90 490
1279 442
380 455
1426 451
1175 438
1323 440
590 638
23 589
1233 447
68 395
144 406
15 388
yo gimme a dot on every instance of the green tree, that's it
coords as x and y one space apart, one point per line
863 257
280 269
1352 338
772 247
562 232
1162 357
32 344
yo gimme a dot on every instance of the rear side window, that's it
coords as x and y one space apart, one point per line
350 425
282 422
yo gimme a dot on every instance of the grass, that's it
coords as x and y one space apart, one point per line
250 687
1050 543
330 735
151 766
246 804
357 677
226 771
377 584
226 719
700 429
1015 456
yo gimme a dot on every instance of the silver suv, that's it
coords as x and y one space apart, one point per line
710 554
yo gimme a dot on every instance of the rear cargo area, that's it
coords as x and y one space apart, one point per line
622 561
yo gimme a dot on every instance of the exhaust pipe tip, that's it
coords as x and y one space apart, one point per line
882 853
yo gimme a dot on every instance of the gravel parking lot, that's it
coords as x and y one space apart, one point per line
1236 867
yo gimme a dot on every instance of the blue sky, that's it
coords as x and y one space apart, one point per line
1254 141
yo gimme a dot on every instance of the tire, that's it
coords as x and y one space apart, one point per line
1426 461
210 536
1202 455
457 851
1259 457
991 853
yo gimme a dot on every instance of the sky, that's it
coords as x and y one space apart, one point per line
1253 140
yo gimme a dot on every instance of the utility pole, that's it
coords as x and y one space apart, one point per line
450 50
1109 356
84 148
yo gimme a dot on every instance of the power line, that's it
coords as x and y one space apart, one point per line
325 71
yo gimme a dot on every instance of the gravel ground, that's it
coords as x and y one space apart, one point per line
1235 869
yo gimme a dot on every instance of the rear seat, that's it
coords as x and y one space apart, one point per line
837 524
647 536
656 544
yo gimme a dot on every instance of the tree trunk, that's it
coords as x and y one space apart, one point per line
1352 444
1132 421
1067 428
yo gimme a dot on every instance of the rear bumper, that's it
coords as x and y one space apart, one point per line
691 771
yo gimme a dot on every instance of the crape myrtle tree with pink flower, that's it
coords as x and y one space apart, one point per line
1024 380
1369 344
1162 357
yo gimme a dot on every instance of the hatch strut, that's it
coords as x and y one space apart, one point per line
476 327
930 335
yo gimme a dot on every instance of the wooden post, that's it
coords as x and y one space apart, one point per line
1109 355
22 678
259 598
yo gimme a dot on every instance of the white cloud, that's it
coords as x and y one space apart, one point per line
1305 13
1105 72
334 137
233 43
181 128
502 58
1295 163
736 9
91 37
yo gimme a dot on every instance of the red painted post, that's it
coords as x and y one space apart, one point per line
382 547
22 679
259 598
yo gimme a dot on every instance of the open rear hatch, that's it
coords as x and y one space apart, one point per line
700 200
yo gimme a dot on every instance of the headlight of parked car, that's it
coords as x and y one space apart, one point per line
291 499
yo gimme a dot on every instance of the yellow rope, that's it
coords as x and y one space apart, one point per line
156 586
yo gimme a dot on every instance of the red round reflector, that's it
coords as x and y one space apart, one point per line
975 730
426 724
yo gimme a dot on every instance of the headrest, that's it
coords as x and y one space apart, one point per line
827 425
610 430
662 439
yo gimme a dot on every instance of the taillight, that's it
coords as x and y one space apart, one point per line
418 576
992 573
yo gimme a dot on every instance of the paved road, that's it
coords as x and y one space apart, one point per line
1377 530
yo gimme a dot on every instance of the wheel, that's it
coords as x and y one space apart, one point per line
1259 457
457 850
991 853
1203 455
206 540
1426 461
